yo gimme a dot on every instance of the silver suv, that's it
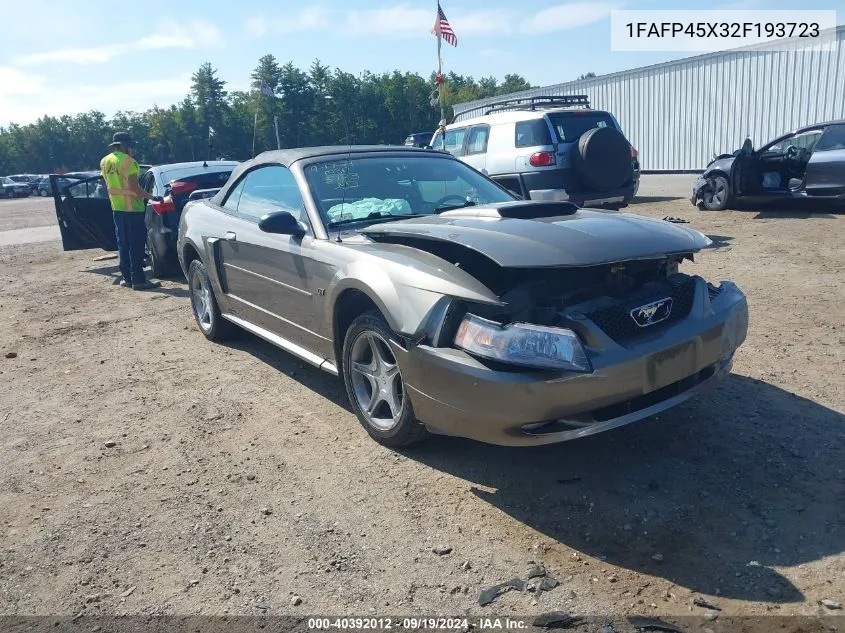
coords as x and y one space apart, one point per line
548 148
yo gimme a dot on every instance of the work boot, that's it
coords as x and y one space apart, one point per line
124 284
146 285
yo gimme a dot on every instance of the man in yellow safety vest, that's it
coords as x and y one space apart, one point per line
120 172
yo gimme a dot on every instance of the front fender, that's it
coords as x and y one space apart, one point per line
406 285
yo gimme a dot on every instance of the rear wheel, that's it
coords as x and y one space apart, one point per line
204 304
716 196
374 383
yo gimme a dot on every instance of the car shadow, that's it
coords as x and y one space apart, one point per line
793 215
793 210
720 241
315 379
648 199
714 495
181 290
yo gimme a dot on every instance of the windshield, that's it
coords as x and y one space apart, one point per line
6 180
374 187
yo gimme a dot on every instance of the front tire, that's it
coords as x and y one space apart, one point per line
718 195
374 383
204 304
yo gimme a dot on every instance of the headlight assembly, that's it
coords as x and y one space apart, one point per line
522 344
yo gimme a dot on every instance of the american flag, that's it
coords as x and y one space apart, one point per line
443 29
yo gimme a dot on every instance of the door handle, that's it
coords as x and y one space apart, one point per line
230 236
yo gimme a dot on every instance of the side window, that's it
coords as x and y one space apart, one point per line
833 139
477 141
777 148
455 141
801 141
807 141
231 202
269 189
532 133
94 188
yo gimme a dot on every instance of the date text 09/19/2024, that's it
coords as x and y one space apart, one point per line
417 624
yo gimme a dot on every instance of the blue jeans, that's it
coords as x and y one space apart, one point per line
131 234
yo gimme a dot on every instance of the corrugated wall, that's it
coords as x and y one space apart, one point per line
678 114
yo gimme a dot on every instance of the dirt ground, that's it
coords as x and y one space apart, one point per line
211 479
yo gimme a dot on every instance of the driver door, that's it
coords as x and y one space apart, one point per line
266 276
84 213
826 169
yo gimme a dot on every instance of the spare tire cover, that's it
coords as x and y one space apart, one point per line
602 157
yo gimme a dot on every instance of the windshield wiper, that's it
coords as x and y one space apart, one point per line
452 207
374 217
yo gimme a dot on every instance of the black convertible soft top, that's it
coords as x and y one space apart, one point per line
286 157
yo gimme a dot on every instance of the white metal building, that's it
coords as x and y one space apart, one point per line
678 114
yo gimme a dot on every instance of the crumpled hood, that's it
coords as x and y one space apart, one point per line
582 238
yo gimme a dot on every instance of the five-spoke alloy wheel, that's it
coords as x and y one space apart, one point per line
374 382
204 305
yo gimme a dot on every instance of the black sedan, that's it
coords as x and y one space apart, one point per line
84 211
808 163
176 183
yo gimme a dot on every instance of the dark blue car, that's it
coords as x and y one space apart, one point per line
808 163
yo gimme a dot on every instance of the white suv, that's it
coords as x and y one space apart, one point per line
548 148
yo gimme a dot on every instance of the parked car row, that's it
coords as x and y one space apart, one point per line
446 303
558 148
14 189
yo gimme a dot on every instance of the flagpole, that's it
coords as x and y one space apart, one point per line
440 72
255 121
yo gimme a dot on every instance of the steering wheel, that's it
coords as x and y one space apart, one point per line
445 199
791 152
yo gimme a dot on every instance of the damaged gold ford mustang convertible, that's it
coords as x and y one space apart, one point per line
448 306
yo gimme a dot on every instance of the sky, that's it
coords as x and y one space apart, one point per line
59 57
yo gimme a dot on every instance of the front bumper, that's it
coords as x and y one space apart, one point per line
454 394
698 186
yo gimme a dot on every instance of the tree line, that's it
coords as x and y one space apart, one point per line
318 107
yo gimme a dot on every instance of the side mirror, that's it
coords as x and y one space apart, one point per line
281 223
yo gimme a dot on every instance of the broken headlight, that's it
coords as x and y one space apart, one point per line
522 344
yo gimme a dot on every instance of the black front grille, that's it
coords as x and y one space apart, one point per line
615 320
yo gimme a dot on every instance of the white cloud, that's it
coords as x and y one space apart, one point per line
482 22
308 19
401 20
567 16
199 34
256 27
34 96
398 20
15 82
